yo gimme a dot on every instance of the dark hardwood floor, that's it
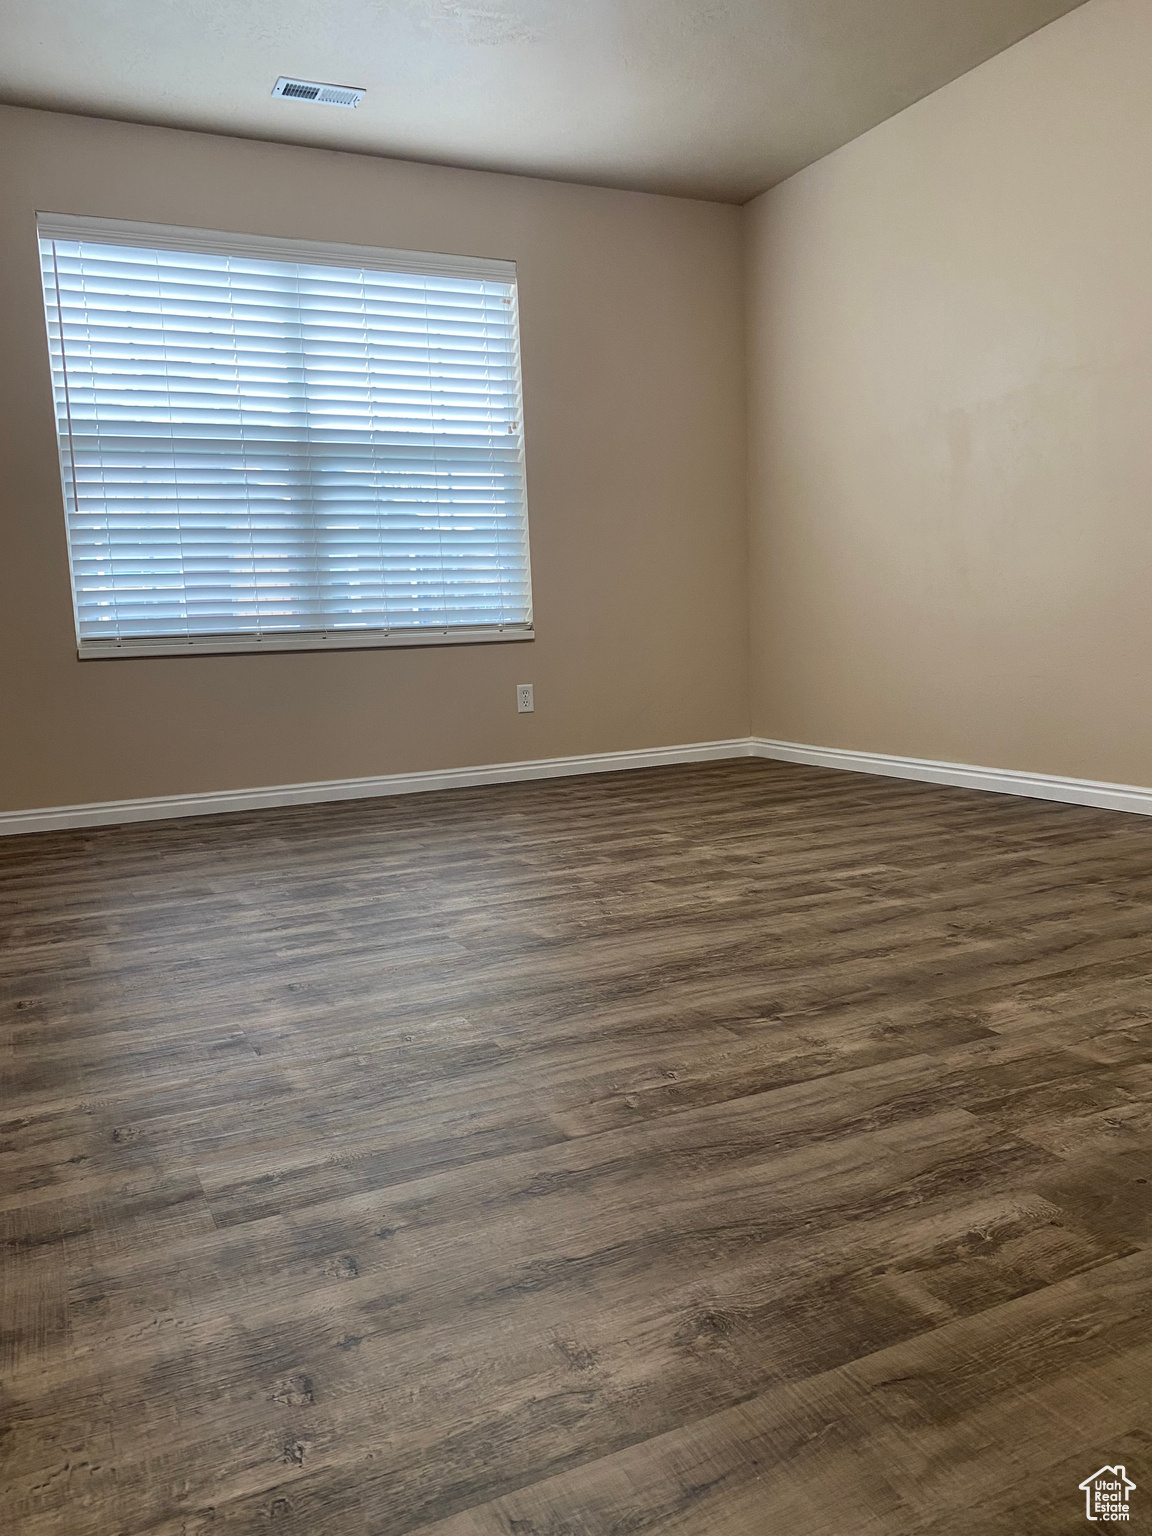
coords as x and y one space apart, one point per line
734 1150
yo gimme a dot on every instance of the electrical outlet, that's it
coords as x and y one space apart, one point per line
524 701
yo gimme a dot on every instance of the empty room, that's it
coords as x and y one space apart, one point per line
575 767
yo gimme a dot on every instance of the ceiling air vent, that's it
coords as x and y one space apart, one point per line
314 90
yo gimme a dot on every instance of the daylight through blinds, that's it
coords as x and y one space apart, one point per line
255 447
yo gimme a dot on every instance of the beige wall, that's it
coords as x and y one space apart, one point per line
632 336
949 401
950 356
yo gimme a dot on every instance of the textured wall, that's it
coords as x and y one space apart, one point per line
950 409
632 337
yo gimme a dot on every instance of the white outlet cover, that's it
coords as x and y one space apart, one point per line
525 703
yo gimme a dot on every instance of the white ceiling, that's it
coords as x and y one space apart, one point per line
705 98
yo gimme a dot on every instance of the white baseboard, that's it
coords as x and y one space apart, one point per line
1002 781
218 802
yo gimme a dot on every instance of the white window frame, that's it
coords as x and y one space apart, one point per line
175 237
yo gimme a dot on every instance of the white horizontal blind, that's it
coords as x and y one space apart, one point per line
256 448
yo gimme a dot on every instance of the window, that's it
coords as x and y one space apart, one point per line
271 444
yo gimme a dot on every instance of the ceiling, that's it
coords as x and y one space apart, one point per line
704 98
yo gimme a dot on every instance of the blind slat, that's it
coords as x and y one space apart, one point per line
255 447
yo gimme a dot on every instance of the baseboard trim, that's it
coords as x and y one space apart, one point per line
220 802
1002 781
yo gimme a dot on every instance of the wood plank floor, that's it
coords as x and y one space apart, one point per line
734 1150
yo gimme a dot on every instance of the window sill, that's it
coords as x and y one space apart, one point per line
337 640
